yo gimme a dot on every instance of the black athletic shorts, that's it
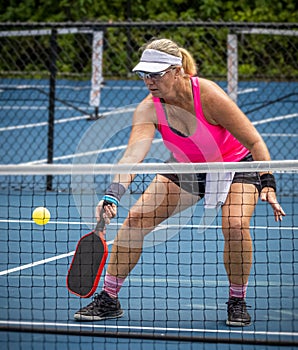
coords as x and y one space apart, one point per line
195 183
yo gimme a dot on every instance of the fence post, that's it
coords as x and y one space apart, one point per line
232 53
52 93
96 77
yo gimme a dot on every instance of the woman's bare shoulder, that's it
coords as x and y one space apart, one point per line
210 87
145 111
213 99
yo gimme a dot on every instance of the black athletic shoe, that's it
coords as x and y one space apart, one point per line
237 313
101 308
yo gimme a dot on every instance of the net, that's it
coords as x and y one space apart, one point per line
179 287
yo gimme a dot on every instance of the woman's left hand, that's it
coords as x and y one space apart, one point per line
268 195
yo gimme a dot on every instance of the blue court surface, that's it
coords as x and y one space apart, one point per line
179 287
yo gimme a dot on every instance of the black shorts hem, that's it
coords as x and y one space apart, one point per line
196 183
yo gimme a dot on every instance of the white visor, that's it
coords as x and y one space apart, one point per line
153 61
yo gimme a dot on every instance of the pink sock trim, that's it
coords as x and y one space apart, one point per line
238 290
112 285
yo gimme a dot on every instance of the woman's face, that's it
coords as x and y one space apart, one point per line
160 84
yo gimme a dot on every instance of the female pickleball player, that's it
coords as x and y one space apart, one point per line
198 123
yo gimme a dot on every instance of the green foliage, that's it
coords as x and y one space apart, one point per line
163 10
208 45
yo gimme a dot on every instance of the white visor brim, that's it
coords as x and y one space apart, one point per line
153 61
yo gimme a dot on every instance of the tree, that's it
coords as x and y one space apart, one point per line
159 10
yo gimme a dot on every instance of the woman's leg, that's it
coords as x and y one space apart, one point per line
161 199
236 215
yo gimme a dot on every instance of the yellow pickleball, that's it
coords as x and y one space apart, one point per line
41 216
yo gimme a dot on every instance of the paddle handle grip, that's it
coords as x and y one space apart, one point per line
101 224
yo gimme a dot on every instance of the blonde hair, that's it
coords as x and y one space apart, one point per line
170 47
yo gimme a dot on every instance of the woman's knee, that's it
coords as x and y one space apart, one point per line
139 220
236 228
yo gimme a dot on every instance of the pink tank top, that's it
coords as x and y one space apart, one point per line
209 143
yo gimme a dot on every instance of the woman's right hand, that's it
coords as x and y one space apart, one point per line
109 211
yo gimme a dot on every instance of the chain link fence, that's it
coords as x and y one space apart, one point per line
59 79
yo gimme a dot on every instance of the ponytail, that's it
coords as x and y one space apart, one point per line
188 62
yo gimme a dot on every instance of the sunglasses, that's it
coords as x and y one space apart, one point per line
154 76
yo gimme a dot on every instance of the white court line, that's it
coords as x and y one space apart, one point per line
111 149
49 223
44 261
290 228
275 119
45 108
248 90
140 328
76 88
70 156
72 119
34 87
33 125
118 148
278 135
160 227
84 154
38 108
115 87
40 262
65 120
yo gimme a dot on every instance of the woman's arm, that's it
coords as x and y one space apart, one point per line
219 109
140 140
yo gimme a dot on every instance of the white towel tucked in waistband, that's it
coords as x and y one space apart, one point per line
216 191
217 188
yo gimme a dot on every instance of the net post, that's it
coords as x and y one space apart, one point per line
52 93
232 63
